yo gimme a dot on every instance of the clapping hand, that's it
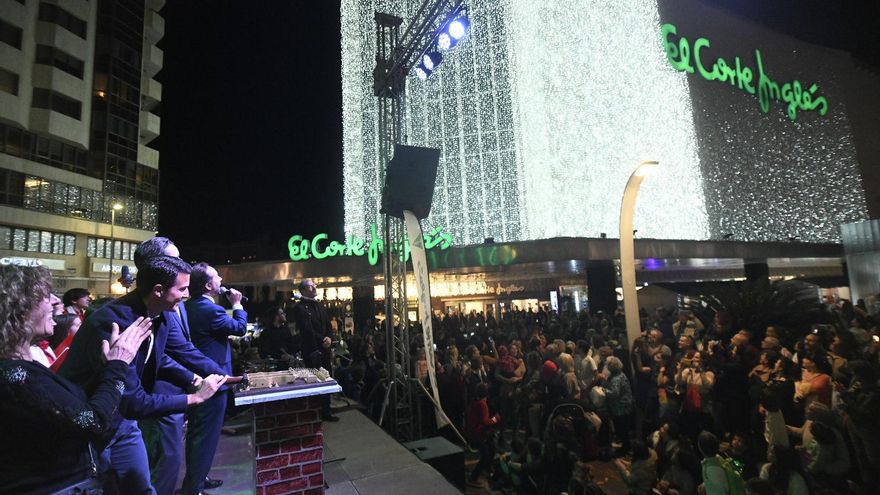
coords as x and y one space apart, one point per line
124 346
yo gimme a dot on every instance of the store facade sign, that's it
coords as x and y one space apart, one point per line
301 249
99 267
692 58
23 261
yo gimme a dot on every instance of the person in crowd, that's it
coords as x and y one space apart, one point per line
861 406
509 372
479 432
775 430
47 423
716 478
313 323
162 284
782 385
826 456
764 369
210 328
695 384
676 478
76 302
783 470
163 435
619 398
640 474
687 324
571 384
586 367
275 340
815 383
66 326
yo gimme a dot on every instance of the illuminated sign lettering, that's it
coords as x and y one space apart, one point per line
22 261
689 58
301 249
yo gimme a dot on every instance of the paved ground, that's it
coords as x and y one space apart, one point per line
360 459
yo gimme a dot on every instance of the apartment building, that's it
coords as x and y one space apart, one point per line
79 104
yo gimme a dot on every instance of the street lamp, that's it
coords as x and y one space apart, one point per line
113 209
627 257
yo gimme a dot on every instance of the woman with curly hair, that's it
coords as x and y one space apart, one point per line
47 422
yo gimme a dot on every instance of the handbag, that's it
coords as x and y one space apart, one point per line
597 397
693 402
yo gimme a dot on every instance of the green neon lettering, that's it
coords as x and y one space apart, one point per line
300 249
375 246
792 93
316 247
678 56
698 47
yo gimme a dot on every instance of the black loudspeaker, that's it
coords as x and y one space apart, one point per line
601 281
409 181
443 455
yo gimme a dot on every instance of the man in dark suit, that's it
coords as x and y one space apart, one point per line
162 284
315 336
163 435
210 328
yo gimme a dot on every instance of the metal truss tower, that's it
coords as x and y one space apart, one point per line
396 55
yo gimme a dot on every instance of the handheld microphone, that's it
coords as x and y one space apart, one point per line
224 291
125 278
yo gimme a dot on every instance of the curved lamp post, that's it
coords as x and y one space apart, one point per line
627 258
113 209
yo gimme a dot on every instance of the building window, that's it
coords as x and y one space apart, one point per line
9 34
56 15
37 241
11 187
8 82
49 55
59 198
97 247
50 100
23 144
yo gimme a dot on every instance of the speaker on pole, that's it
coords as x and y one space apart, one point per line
409 181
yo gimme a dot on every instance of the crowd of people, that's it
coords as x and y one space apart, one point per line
96 397
693 407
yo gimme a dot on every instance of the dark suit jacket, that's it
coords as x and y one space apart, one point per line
211 327
313 323
85 359
180 342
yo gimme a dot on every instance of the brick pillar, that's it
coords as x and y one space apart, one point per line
289 447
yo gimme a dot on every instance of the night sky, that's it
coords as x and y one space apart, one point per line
251 144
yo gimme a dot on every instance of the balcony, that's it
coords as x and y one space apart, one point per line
153 59
154 26
150 125
148 156
151 93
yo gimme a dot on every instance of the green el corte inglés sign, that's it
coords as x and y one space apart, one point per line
301 249
691 58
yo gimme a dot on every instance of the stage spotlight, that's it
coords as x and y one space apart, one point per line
422 73
431 60
457 28
444 42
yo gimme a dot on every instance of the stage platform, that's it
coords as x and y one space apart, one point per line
359 459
